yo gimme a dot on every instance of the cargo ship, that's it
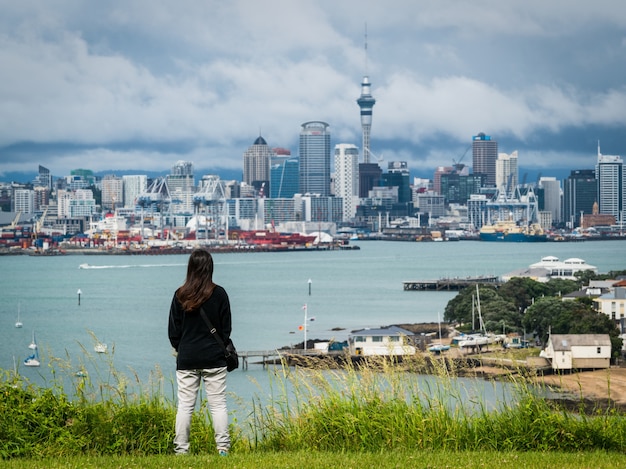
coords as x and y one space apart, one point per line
271 237
509 231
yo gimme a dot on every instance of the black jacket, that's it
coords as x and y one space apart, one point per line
190 336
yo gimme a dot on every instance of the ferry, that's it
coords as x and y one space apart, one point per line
509 231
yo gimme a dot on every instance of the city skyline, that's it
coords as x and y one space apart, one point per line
107 87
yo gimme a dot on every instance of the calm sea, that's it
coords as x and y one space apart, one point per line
125 300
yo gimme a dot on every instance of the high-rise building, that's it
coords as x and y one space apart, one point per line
134 186
610 173
347 178
397 175
284 174
580 191
366 104
181 186
256 165
24 200
507 173
550 197
315 158
485 154
112 192
43 179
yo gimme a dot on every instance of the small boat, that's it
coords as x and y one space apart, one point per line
100 348
33 359
18 323
438 348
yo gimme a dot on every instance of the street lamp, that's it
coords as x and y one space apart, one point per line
79 293
310 282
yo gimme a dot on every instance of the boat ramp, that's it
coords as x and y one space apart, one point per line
450 284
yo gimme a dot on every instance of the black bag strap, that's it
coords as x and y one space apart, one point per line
212 329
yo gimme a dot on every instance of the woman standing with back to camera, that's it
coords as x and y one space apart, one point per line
200 358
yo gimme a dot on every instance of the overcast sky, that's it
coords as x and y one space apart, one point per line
141 84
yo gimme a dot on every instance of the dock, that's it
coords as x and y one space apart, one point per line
272 357
450 284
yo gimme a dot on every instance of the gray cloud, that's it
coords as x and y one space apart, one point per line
145 83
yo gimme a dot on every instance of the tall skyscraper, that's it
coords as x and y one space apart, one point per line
507 173
181 186
315 158
134 186
611 173
550 195
256 164
347 177
580 191
485 154
284 175
366 103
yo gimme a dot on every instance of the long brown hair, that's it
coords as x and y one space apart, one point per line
199 284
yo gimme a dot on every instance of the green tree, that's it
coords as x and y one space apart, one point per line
523 291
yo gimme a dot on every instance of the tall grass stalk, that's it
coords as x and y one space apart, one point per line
371 407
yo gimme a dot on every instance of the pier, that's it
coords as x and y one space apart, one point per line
450 284
271 357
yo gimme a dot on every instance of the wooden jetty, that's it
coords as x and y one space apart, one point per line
450 284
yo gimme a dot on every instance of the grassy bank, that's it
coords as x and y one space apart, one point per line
379 415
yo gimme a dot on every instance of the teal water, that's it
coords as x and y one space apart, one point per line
125 299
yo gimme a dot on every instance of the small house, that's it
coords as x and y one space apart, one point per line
578 351
392 340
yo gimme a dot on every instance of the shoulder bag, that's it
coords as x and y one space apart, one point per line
232 359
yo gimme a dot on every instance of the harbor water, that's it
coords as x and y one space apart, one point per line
124 300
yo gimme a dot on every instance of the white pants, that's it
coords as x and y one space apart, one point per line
188 382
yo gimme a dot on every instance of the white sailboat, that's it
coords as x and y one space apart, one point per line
33 359
18 323
478 340
438 347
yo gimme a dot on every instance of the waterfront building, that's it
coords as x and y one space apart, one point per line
112 192
244 213
284 175
133 187
347 178
277 210
484 155
580 191
432 205
366 104
549 198
476 210
507 177
314 151
181 187
316 208
256 165
611 175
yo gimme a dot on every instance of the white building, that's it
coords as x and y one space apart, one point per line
112 192
578 351
347 178
384 341
24 200
551 197
551 267
507 177
611 176
613 303
134 186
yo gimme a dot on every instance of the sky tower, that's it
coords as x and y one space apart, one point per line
366 103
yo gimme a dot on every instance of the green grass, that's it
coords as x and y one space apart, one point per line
333 460
379 415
